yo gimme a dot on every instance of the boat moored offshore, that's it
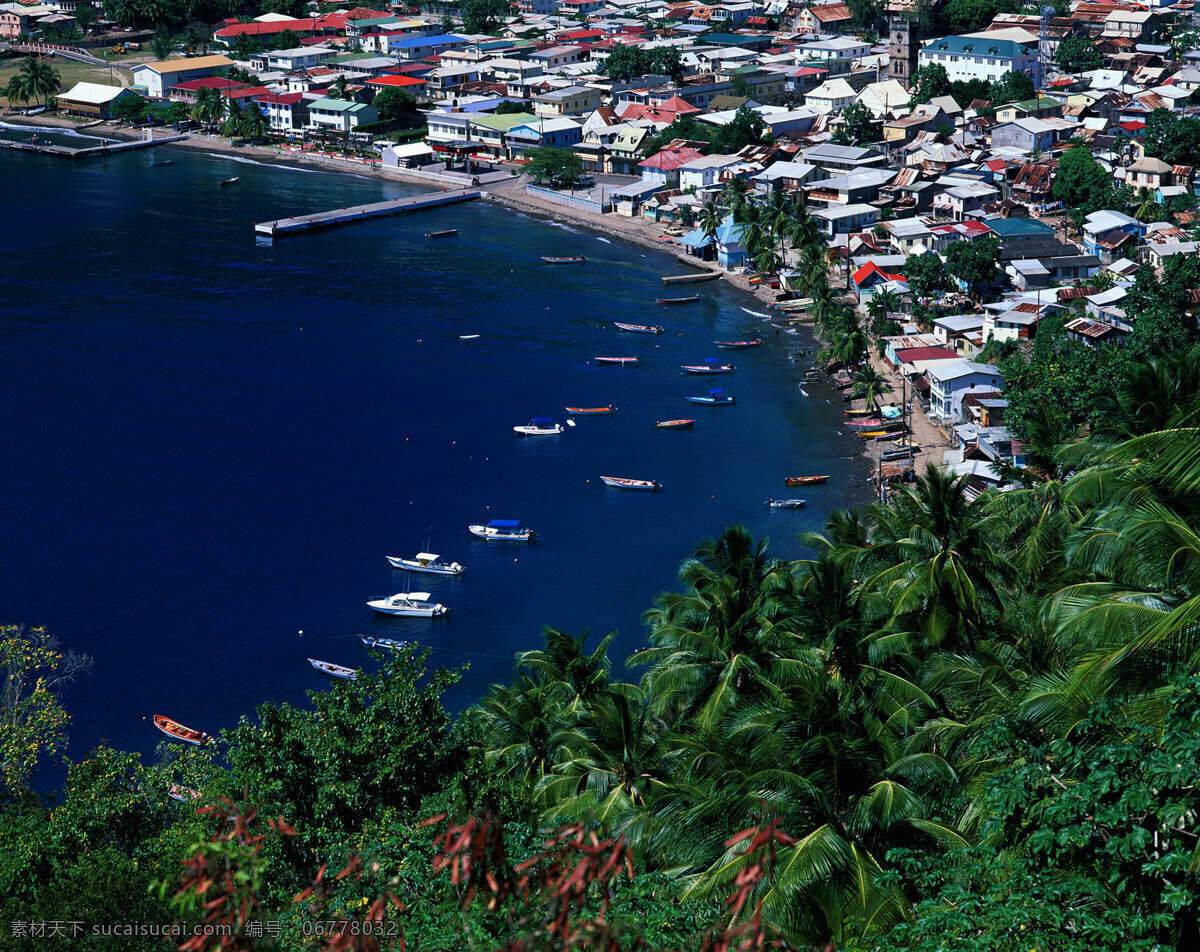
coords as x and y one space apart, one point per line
503 530
407 604
426 562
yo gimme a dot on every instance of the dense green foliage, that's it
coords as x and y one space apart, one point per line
629 62
1082 183
1078 54
1174 139
745 128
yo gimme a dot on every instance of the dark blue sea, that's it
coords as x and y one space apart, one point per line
211 443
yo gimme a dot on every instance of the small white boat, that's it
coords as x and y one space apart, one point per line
503 530
539 426
391 644
618 482
785 503
623 361
468 336
334 670
710 366
426 562
416 604
639 328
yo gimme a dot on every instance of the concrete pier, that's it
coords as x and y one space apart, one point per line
66 152
353 213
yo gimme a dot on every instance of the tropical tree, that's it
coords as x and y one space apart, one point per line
235 118
254 124
710 217
162 45
38 80
209 107
869 385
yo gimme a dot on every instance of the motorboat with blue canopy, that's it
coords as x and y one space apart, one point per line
503 530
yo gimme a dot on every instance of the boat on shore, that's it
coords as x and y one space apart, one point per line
580 259
334 670
785 503
804 480
539 426
710 366
714 398
738 344
869 423
894 435
181 793
618 482
444 233
691 278
623 361
692 299
674 424
639 328
594 411
407 604
426 562
390 644
503 530
177 731
230 181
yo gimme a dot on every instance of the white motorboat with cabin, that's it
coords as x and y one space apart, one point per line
426 562
407 603
503 530
539 426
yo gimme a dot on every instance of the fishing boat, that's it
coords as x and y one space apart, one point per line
159 165
710 366
334 670
894 435
503 530
865 411
871 434
904 453
230 181
35 111
785 503
804 480
674 424
592 410
617 482
468 336
713 398
426 562
737 344
181 793
415 604
576 260
539 426
639 328
869 423
391 644
177 731
624 361
444 233
678 300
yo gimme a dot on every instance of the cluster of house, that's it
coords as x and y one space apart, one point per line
933 173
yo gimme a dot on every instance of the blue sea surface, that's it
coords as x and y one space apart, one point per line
211 442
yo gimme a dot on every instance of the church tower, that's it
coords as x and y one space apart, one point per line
903 46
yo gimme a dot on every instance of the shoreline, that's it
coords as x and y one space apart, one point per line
510 193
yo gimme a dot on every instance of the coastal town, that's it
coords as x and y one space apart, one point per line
934 197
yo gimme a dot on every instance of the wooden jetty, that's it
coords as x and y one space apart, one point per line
91 152
343 216
691 278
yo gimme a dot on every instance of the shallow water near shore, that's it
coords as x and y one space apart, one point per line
213 442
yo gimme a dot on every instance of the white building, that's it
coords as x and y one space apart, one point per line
949 382
157 78
972 57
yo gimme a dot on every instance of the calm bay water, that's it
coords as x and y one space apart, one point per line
211 443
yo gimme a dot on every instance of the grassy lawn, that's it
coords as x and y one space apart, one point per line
70 72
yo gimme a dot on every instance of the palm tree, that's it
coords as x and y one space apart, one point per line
1148 210
18 88
565 671
234 118
337 89
869 385
520 721
881 304
946 564
209 107
722 639
734 194
38 80
254 124
710 217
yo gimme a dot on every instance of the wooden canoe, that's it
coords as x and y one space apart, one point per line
804 480
177 731
608 409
